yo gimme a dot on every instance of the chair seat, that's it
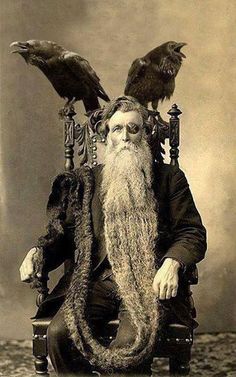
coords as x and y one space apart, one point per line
174 333
174 342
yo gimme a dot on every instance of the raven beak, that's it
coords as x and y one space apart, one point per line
178 47
22 47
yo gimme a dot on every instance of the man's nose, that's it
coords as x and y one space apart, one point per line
125 134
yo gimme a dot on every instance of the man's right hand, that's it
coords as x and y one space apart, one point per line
30 268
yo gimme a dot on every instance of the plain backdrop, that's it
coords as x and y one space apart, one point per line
111 34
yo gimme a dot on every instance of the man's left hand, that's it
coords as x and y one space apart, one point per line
165 283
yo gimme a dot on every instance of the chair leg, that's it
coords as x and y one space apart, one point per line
41 365
180 364
40 353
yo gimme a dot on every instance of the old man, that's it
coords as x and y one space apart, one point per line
134 228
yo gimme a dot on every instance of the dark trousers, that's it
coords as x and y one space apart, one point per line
103 306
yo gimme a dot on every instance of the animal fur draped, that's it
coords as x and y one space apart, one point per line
74 307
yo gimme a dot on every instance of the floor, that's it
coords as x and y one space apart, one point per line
212 355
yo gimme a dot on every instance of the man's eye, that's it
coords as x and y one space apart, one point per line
117 129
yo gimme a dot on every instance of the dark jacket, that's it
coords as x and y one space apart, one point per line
181 233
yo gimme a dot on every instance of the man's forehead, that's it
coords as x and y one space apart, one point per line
120 117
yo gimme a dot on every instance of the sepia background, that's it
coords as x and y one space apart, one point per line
111 34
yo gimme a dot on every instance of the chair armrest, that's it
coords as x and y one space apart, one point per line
40 325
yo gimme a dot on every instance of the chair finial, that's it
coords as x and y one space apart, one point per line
174 111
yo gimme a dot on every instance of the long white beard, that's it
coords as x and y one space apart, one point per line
130 234
131 230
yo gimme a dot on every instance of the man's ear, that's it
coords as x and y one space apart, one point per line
106 127
107 132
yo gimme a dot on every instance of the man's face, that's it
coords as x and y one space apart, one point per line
125 128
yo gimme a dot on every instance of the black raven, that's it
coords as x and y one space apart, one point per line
152 78
72 76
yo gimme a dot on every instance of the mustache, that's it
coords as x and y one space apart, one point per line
128 146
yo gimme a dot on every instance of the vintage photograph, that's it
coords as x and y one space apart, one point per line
117 188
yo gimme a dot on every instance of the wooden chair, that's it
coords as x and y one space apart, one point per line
175 343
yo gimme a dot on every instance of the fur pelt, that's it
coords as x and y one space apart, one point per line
63 185
80 184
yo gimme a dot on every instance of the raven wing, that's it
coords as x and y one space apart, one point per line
81 68
136 71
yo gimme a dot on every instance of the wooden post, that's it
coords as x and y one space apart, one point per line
42 289
174 113
69 129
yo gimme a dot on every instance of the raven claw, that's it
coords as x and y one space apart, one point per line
67 110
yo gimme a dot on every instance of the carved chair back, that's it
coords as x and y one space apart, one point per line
91 141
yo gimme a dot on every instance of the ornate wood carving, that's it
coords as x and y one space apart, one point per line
69 138
83 140
42 289
174 113
159 132
89 136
